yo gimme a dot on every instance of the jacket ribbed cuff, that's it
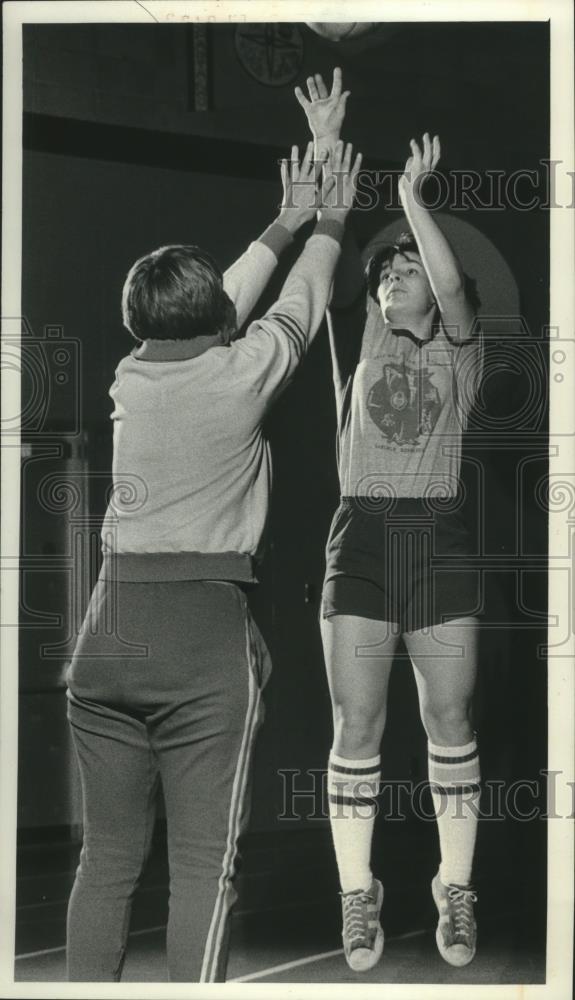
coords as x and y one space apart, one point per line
330 227
276 238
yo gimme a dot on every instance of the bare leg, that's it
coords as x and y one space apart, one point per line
445 665
358 653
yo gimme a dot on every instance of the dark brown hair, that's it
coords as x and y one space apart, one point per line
405 244
176 293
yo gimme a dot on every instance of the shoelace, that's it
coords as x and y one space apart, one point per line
462 911
355 916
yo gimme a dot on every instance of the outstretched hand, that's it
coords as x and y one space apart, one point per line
340 181
324 111
299 180
420 164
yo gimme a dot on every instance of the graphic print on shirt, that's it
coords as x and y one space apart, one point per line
404 404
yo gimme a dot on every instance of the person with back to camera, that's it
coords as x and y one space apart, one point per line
182 534
407 361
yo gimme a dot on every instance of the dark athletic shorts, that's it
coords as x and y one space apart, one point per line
404 562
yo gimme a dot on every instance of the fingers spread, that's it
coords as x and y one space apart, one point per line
328 185
321 87
312 89
356 165
294 162
337 155
416 152
346 163
320 163
300 97
306 162
336 85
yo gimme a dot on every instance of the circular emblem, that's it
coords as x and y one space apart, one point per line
404 404
271 53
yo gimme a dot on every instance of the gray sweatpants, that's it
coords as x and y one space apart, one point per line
165 685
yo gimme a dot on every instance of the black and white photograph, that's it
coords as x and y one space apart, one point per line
288 499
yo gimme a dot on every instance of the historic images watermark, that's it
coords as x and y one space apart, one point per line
304 795
491 190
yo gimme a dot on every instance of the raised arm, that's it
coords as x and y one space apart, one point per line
443 270
278 341
248 276
309 280
325 113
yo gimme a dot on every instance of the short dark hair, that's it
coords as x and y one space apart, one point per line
176 293
405 244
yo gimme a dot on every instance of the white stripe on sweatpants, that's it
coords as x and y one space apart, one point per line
217 925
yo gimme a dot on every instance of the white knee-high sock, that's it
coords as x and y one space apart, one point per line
352 789
454 778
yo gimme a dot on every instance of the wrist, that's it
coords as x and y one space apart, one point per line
318 133
403 193
333 214
325 141
410 196
293 219
412 208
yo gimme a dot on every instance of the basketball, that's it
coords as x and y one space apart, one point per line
341 31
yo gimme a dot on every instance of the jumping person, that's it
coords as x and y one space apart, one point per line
165 683
407 360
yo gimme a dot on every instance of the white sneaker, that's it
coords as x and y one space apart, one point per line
362 934
456 933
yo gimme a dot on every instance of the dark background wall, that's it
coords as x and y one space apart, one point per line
118 159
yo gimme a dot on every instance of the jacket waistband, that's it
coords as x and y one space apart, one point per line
149 567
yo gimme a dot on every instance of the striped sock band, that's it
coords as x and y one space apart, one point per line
352 789
454 777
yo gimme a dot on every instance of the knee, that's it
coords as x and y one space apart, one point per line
448 724
104 865
357 733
